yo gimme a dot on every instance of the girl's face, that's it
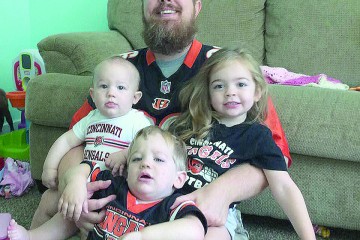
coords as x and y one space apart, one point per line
232 92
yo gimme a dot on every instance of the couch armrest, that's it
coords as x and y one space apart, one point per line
78 53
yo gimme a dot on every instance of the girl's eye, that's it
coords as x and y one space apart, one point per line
121 87
103 86
218 86
241 84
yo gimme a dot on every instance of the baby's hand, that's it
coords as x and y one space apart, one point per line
73 200
49 178
116 162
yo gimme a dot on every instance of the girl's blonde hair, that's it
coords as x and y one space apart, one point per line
197 113
177 145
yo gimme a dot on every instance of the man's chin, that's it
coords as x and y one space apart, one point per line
169 37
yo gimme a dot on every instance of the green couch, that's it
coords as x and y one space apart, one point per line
308 36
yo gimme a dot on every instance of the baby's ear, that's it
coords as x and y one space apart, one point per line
180 179
137 96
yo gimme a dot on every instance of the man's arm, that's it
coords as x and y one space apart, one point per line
240 183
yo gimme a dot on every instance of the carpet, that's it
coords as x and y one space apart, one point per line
260 228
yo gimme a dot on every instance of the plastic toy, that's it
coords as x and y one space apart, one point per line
27 65
14 145
355 88
322 231
17 100
4 223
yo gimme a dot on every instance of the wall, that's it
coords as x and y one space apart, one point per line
23 23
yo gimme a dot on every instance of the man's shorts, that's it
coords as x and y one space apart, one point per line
235 226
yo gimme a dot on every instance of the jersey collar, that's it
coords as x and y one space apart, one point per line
135 207
189 59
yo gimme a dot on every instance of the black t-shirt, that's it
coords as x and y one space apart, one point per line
160 94
227 147
123 215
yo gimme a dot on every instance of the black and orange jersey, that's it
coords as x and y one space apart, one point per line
124 214
160 94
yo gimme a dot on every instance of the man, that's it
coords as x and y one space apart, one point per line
173 56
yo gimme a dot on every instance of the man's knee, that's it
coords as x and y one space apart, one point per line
48 203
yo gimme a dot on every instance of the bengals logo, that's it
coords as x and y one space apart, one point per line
98 141
160 103
195 165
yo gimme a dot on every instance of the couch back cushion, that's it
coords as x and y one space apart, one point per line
221 23
314 36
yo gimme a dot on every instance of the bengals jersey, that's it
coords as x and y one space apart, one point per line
124 215
160 94
227 147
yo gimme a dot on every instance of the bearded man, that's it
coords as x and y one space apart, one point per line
172 57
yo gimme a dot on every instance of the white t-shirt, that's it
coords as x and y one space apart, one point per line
107 135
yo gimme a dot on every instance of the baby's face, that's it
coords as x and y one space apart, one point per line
152 172
115 89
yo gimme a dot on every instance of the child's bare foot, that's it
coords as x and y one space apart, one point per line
17 232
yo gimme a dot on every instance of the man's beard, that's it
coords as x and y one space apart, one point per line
162 38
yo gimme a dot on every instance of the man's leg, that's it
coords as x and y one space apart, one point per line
49 201
46 209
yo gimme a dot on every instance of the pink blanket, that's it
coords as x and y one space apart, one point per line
277 75
17 178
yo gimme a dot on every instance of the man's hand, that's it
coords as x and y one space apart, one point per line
116 162
49 178
87 220
212 202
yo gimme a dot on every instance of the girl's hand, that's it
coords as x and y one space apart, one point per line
116 162
49 178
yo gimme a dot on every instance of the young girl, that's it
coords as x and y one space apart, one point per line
224 107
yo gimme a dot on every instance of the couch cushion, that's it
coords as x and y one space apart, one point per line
319 122
314 36
221 23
